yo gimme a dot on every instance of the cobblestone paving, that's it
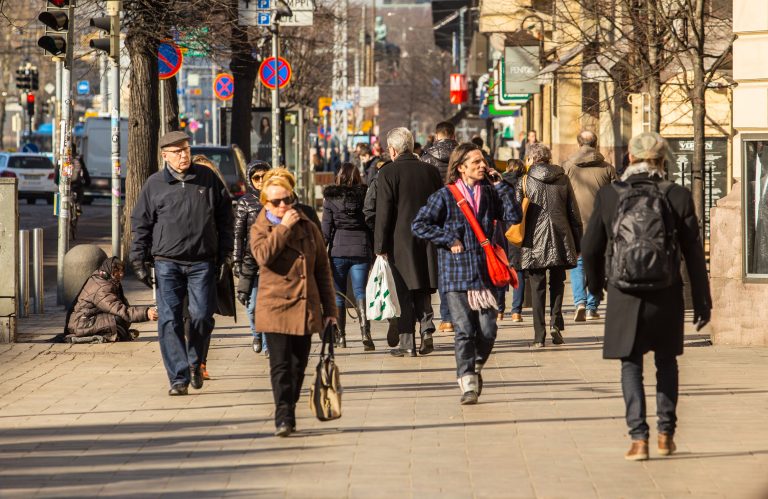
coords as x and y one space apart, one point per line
88 420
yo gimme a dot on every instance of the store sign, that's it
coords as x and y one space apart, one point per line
521 70
458 88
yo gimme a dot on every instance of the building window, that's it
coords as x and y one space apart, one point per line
590 98
755 210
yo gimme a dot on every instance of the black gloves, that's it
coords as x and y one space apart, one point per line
141 271
244 298
701 318
222 266
237 269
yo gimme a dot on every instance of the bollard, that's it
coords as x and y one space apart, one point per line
38 289
23 273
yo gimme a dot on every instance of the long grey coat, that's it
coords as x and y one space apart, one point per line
651 320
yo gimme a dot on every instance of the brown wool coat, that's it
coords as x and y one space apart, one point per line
295 283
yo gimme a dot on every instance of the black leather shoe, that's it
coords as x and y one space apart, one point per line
399 352
197 378
427 346
557 336
283 430
178 389
257 344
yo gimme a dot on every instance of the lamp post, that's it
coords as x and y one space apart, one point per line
541 64
281 10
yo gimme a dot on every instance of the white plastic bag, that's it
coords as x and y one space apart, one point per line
380 293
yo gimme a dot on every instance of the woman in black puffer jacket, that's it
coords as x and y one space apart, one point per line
350 244
552 238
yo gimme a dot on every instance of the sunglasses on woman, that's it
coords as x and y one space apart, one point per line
257 178
289 200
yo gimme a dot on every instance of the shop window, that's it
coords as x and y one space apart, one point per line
755 210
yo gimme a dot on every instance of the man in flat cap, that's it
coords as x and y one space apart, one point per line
182 224
645 223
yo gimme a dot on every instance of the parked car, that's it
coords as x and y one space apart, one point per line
232 165
35 174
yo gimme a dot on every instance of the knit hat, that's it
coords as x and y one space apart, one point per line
648 145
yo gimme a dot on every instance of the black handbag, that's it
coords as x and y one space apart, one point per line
325 391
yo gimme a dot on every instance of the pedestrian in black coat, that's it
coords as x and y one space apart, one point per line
638 322
349 246
403 187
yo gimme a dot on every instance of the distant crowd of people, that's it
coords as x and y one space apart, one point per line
430 213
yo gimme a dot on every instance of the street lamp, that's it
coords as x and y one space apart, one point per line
281 10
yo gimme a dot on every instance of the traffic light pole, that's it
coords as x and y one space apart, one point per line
65 173
113 10
276 98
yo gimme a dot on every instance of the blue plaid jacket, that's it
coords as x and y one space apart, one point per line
441 222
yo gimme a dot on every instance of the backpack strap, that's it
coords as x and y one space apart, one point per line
467 211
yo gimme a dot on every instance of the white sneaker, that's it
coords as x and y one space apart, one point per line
581 313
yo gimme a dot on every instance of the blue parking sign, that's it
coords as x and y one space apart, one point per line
262 4
264 19
83 87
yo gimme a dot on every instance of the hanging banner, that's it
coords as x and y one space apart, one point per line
458 88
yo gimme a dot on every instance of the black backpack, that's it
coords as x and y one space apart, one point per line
643 254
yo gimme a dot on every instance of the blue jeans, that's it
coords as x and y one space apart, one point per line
475 332
501 298
174 282
357 269
250 309
634 394
581 295
518 295
445 312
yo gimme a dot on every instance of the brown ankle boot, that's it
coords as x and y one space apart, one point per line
666 444
638 451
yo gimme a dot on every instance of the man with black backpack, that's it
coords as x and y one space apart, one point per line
642 225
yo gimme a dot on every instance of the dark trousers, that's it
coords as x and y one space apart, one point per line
475 332
415 306
445 312
634 394
175 281
288 357
538 280
518 295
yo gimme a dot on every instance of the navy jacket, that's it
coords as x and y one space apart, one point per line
188 221
441 222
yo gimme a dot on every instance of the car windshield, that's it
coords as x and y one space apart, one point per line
223 158
30 162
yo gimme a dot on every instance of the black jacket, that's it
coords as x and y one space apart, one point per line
370 170
650 320
246 211
513 252
344 228
403 187
438 154
188 221
552 223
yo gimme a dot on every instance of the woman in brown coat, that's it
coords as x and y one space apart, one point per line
101 312
296 296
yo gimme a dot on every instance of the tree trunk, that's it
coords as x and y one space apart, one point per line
243 67
143 124
2 123
654 73
171 104
698 104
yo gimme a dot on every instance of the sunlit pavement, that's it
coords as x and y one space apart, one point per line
89 420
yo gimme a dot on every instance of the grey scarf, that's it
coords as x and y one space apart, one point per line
638 168
181 177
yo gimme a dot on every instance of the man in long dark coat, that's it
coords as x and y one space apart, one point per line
640 321
403 187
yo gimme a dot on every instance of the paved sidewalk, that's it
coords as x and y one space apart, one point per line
89 420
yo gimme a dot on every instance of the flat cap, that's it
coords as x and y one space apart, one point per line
648 145
172 138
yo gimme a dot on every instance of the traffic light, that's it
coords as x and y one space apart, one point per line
31 104
34 83
111 25
57 18
46 108
23 79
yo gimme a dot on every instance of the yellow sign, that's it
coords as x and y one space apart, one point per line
324 105
366 125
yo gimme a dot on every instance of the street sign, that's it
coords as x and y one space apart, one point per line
270 76
83 87
324 105
323 133
262 4
49 88
303 13
224 86
30 147
342 105
263 19
169 60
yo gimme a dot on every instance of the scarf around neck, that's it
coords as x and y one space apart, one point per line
272 217
637 168
471 194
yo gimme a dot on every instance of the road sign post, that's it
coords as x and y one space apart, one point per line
224 86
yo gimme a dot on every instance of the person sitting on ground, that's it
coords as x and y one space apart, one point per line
101 312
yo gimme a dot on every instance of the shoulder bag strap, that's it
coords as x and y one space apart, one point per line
464 207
